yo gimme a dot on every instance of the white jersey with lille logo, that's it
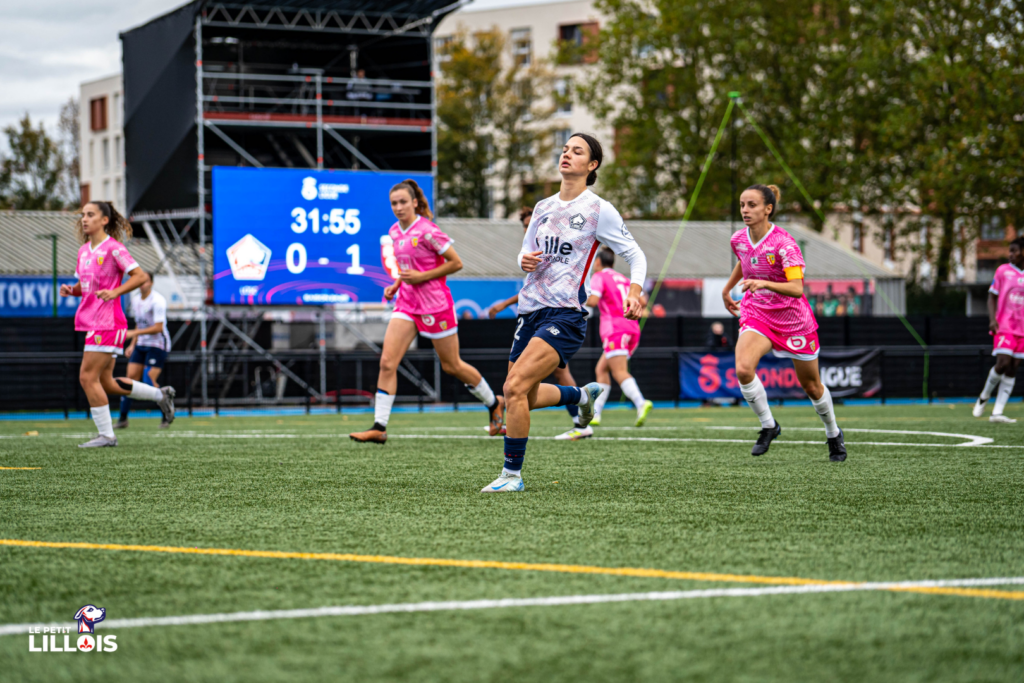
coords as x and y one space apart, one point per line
568 234
148 312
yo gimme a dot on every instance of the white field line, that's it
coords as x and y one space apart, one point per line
973 439
461 605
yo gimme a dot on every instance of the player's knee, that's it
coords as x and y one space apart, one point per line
450 367
514 389
813 388
388 364
745 372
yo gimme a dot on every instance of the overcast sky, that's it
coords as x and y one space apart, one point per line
49 47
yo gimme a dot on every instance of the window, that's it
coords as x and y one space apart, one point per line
441 46
522 47
106 154
574 41
85 193
117 152
117 192
563 95
887 241
115 111
992 228
98 113
857 242
524 92
561 137
92 155
106 192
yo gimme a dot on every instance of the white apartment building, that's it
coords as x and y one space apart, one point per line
101 129
533 32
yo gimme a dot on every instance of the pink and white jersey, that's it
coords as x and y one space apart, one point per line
1008 285
420 248
101 268
568 234
612 288
768 260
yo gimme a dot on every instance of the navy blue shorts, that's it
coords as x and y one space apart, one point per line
564 329
150 356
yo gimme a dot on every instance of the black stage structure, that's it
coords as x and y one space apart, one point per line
343 84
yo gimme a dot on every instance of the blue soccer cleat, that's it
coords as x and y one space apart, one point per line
587 412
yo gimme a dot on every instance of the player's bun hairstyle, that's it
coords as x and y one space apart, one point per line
525 213
117 225
596 154
607 257
1019 242
410 186
772 195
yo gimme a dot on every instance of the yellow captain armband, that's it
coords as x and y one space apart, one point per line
795 273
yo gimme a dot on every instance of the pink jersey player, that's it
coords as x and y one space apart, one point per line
619 336
787 321
102 268
1008 286
428 304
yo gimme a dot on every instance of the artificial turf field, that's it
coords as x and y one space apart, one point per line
688 500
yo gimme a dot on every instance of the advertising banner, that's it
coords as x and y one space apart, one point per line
846 373
301 237
32 297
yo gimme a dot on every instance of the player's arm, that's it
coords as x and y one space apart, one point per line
391 290
529 255
993 305
593 300
499 307
734 278
793 286
155 328
71 290
611 230
135 280
452 264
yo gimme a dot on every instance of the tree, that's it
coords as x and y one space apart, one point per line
30 175
69 144
492 113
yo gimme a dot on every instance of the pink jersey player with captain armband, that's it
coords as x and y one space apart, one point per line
1008 286
102 268
428 304
619 336
788 322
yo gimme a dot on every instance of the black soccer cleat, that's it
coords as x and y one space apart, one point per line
837 448
765 438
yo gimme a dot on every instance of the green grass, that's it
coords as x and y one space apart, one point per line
889 513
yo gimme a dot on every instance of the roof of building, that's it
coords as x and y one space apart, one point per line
27 253
488 248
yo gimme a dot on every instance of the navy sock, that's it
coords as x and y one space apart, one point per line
126 405
570 396
515 451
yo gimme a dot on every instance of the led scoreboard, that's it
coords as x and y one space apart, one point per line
287 237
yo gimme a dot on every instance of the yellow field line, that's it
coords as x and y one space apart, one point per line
514 566
21 468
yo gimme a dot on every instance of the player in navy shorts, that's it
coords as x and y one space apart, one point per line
557 253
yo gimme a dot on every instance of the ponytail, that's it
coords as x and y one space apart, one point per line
771 194
117 225
414 190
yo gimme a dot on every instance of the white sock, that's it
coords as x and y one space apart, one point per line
632 392
990 384
482 392
823 406
145 392
511 473
584 397
576 420
757 397
603 398
1005 389
382 408
101 416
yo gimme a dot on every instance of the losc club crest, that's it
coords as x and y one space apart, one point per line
249 259
58 638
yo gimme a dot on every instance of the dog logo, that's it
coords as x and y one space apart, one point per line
308 191
577 222
88 617
771 259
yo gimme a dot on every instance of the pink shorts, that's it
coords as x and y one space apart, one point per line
620 344
1007 344
431 325
802 346
105 341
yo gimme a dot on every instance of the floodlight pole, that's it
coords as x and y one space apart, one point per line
52 236
201 191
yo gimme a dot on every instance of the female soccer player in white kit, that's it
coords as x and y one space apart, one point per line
775 316
102 264
557 253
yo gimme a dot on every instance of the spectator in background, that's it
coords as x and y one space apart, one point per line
717 338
